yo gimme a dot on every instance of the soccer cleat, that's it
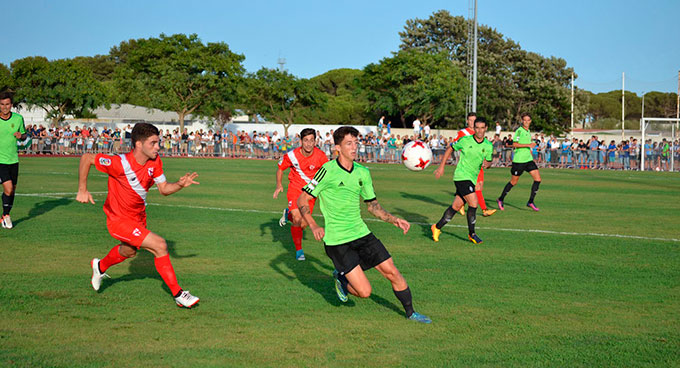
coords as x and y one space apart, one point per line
186 300
435 232
462 210
488 212
97 276
533 207
475 239
284 218
300 255
500 204
419 318
6 222
342 294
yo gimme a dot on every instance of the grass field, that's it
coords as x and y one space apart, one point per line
591 280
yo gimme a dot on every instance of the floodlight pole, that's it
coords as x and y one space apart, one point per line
623 104
474 68
572 104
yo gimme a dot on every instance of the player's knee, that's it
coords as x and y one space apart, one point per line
364 292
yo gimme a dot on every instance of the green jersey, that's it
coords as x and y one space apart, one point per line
472 156
339 191
523 154
8 142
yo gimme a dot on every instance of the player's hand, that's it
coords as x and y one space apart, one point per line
187 180
532 144
84 197
278 190
402 224
318 232
17 135
439 172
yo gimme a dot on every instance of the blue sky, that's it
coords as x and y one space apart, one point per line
598 38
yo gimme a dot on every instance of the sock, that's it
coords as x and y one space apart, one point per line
534 189
296 233
164 268
472 218
344 282
480 199
111 259
406 300
507 188
6 203
446 217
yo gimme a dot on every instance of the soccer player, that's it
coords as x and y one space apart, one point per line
479 186
11 129
347 241
521 162
304 162
130 177
476 153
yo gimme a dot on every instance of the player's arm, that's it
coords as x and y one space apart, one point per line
447 155
166 188
86 161
376 210
279 186
303 206
486 164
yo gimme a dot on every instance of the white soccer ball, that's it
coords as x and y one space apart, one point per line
416 155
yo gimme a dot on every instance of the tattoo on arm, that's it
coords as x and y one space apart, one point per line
376 209
304 210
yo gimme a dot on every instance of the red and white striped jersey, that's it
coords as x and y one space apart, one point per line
302 168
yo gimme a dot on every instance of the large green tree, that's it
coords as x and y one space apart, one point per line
413 84
176 73
346 101
60 87
5 78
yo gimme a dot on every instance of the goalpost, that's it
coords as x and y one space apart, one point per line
644 125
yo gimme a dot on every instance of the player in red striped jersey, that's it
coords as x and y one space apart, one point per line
131 176
303 162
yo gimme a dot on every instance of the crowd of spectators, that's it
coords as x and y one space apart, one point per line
380 146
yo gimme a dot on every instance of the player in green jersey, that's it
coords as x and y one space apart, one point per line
476 154
522 161
11 129
348 243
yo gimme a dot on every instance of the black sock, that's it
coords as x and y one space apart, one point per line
446 217
7 202
344 282
534 189
507 188
472 218
406 300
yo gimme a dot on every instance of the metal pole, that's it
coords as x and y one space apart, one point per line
572 104
642 145
474 70
623 104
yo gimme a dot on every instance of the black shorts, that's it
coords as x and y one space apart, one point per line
464 187
367 252
9 172
518 168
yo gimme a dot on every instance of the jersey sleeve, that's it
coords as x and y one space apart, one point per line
317 184
488 156
456 146
517 135
284 162
107 164
367 192
158 174
22 128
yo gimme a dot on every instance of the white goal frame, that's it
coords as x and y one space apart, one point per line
643 127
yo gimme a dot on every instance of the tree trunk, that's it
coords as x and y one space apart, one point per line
181 115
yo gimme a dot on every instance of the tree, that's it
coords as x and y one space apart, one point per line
346 101
282 97
5 78
176 73
414 84
60 87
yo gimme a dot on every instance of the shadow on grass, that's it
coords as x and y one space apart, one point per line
417 221
41 208
142 266
423 198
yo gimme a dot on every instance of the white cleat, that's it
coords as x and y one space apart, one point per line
96 275
284 218
6 222
186 300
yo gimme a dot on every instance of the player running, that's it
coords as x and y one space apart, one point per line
130 177
11 130
476 153
304 162
347 241
521 162
479 186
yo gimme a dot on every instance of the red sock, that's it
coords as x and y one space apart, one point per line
480 199
164 268
296 233
111 259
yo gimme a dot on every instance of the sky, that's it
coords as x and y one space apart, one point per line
600 39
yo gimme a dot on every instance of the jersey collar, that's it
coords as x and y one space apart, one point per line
10 116
349 171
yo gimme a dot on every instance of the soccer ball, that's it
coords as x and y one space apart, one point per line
416 156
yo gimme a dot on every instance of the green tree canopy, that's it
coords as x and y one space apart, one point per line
346 101
176 73
5 78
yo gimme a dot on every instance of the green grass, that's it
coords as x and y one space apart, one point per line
519 299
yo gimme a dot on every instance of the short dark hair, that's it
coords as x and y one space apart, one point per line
307 131
342 132
471 113
142 131
480 120
7 94
525 114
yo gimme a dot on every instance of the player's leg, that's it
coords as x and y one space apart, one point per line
533 171
9 175
400 289
471 198
297 222
515 171
447 216
357 283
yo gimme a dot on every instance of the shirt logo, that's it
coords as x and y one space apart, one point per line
150 171
311 167
136 232
105 161
361 183
341 184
